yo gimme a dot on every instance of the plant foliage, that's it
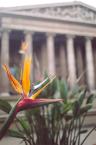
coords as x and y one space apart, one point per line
59 124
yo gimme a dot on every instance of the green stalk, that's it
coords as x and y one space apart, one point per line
9 120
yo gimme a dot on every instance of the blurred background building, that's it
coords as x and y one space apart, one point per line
60 37
61 40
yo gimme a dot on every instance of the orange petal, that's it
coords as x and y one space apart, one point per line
26 75
16 85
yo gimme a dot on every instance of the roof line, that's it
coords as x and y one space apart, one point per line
18 14
49 5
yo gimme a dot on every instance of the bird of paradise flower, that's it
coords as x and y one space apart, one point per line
28 99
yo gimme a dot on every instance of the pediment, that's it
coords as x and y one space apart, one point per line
76 11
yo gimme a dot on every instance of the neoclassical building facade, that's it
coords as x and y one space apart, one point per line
61 39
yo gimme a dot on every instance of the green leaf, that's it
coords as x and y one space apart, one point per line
85 109
8 121
90 99
76 108
5 106
68 117
63 90
67 107
75 90
81 97
24 126
14 133
58 84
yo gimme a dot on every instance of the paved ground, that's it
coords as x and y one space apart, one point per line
12 141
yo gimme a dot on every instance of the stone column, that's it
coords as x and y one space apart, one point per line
63 62
43 59
50 53
89 63
71 59
80 67
29 41
4 60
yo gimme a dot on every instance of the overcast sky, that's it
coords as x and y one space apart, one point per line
8 3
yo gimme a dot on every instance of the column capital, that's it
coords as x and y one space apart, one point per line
5 30
88 38
50 34
70 36
28 32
